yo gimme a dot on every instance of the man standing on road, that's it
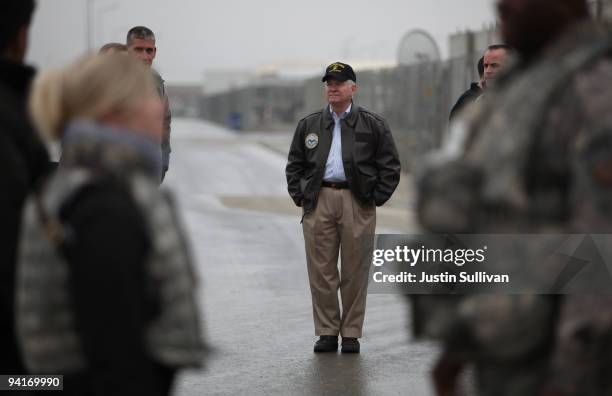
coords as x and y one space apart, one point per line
493 62
496 59
141 43
342 164
23 160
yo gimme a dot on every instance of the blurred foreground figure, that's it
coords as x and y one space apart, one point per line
536 157
105 285
23 160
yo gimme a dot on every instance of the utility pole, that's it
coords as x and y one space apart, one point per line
88 23
99 19
90 20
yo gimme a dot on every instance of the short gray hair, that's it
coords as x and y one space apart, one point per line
139 32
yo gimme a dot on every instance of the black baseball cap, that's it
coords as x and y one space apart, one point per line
339 71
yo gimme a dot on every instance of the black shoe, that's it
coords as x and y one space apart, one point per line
350 345
326 344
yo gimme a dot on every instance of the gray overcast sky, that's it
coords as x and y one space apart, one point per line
194 36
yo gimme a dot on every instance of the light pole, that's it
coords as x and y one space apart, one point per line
91 22
100 14
88 13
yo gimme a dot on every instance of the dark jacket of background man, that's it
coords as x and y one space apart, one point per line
23 161
371 163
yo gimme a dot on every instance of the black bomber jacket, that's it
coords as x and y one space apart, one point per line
369 155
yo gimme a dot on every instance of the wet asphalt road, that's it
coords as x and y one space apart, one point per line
247 239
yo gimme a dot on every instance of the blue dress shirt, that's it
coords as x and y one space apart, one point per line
334 168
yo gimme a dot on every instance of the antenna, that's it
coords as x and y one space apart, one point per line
417 46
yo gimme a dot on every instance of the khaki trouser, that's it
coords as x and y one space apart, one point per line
339 222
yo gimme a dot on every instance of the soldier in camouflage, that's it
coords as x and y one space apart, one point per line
535 157
105 285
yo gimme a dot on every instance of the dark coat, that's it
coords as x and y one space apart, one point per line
107 251
23 161
371 162
111 249
465 99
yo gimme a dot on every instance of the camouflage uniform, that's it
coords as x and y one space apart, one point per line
45 308
535 157
165 145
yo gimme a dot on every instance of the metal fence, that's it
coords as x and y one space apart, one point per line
262 107
415 100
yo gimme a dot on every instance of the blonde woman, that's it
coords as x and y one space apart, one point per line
105 287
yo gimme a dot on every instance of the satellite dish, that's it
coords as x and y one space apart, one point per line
417 46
